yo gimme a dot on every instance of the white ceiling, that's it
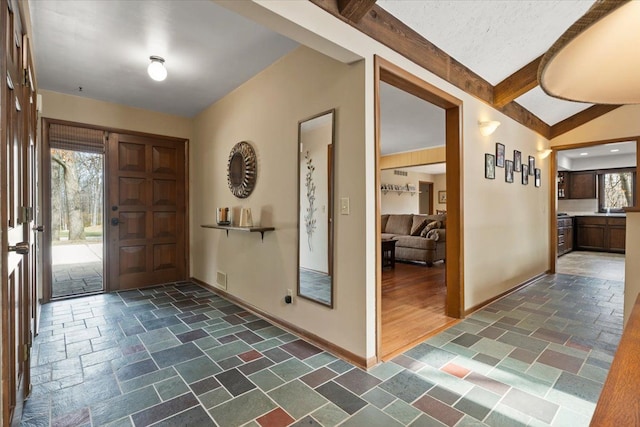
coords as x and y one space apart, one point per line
603 150
408 123
104 47
495 38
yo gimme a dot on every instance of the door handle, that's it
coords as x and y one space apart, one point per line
21 248
116 221
39 228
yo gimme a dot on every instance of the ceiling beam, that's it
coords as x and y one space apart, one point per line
354 10
385 28
518 83
580 118
526 118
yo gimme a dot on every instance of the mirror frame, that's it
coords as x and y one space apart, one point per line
249 171
330 203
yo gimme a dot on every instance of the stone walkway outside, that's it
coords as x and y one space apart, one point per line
77 268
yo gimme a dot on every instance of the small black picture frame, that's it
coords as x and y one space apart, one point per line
508 171
489 166
532 165
538 175
499 155
525 174
517 161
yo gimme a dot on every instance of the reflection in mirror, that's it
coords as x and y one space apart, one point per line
236 169
315 205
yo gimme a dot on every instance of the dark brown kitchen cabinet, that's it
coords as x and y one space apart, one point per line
582 185
565 235
601 233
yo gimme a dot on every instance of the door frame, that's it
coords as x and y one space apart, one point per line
553 191
46 199
390 73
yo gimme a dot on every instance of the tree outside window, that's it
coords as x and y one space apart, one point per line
617 190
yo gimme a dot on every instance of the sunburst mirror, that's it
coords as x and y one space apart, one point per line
242 170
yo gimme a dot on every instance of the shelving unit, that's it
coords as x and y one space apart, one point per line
256 229
404 189
563 185
412 192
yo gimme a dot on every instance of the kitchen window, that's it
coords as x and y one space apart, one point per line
616 190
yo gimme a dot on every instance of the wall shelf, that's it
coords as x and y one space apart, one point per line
256 229
412 192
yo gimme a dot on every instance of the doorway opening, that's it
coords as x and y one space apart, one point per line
425 194
423 294
115 207
595 181
76 199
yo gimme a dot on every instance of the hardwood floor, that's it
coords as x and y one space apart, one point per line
413 306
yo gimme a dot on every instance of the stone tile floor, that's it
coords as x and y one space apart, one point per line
315 285
179 355
74 279
77 267
593 264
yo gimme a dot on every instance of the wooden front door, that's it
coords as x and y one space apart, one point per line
146 211
17 126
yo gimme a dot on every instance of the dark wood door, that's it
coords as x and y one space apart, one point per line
15 214
425 194
146 211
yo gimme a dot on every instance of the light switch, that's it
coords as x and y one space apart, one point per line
344 206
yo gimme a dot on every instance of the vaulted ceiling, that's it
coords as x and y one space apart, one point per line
491 49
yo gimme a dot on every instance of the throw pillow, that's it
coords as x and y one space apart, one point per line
399 224
430 226
433 235
418 226
383 223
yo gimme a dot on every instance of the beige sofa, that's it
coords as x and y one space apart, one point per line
420 238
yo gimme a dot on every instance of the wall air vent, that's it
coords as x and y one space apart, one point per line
221 280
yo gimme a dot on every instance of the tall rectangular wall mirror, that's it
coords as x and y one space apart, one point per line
315 207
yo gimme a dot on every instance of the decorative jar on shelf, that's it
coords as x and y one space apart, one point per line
223 216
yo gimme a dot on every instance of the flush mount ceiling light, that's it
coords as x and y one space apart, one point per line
487 128
156 69
596 60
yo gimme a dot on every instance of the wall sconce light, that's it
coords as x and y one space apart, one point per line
487 128
156 69
544 153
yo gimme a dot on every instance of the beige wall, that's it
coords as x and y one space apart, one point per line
392 202
632 269
100 113
620 123
439 184
265 112
503 223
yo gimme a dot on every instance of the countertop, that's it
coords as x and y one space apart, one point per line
570 214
